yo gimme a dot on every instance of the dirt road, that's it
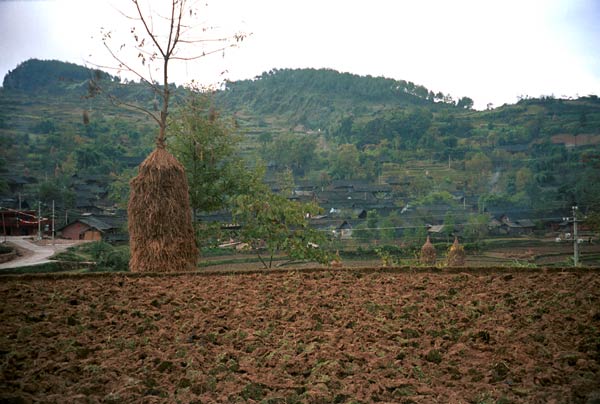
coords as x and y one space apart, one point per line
34 253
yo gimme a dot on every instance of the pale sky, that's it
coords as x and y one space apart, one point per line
491 51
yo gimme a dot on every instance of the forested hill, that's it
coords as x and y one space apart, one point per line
54 76
323 126
315 97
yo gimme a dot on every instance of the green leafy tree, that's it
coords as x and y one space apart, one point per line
479 163
272 223
465 102
477 226
265 138
593 220
478 168
294 152
55 190
449 224
118 189
285 182
371 232
523 179
345 162
206 145
415 235
87 157
420 185
387 231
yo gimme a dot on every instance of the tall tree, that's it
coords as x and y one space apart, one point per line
159 215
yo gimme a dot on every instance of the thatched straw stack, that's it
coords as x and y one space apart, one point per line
428 254
456 254
336 262
160 226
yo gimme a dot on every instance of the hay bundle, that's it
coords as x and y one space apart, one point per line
159 217
336 262
456 254
428 254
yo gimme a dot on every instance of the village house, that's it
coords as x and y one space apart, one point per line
14 222
343 231
505 226
91 228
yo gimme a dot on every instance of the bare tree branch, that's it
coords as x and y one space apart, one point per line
203 54
163 42
148 30
131 69
119 102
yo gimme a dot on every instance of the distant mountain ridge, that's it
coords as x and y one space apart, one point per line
35 74
277 91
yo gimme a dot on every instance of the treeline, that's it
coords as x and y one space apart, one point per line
313 97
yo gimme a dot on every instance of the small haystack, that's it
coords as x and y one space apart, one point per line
336 262
428 254
456 254
159 217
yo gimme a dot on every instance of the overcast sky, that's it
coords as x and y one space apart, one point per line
491 51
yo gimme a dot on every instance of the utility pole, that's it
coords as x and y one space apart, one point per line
575 237
3 226
39 219
53 222
19 216
574 220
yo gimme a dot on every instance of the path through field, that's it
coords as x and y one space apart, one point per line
34 253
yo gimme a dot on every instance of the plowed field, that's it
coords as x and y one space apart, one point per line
347 336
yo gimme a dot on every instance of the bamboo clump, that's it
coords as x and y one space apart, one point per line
159 217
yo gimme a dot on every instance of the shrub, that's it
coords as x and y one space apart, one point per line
114 260
96 249
4 249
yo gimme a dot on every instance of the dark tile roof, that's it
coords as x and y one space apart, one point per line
96 223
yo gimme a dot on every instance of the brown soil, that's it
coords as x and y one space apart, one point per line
482 336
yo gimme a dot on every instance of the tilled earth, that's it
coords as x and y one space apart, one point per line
346 336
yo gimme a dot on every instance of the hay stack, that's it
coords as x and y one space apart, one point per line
428 254
336 262
456 254
159 217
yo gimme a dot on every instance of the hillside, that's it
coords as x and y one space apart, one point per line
314 98
350 142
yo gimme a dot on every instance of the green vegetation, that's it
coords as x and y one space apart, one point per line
273 223
104 256
412 156
206 145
